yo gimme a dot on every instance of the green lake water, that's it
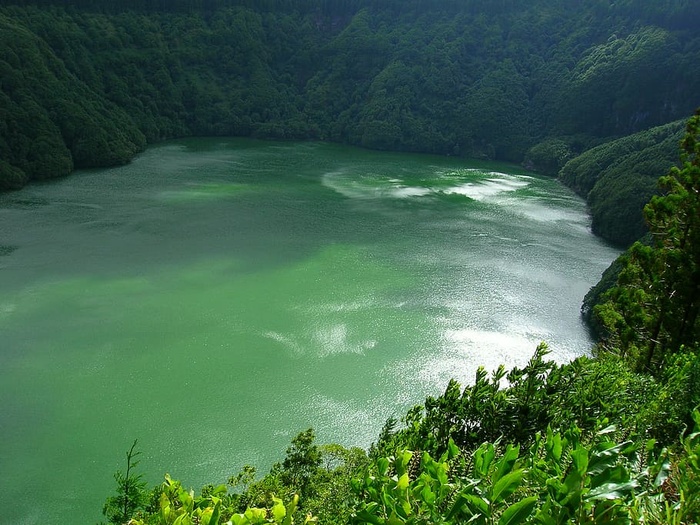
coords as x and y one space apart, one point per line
215 297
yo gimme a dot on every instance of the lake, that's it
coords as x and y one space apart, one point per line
215 297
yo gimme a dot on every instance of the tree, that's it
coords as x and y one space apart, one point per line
654 308
302 461
131 491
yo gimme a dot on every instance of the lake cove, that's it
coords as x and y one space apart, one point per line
215 297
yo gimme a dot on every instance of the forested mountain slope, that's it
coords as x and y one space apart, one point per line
84 82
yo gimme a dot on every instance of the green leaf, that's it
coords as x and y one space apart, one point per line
214 516
664 472
291 508
517 512
505 486
452 449
482 459
183 519
278 509
607 430
580 458
572 483
507 462
255 515
477 505
383 466
428 496
553 444
603 459
402 484
611 491
461 500
368 515
402 460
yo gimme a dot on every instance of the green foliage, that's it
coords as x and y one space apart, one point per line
546 394
320 475
131 492
653 310
302 461
323 473
619 177
51 120
596 293
560 479
178 506
549 157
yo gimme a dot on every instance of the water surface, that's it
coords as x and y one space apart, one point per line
215 297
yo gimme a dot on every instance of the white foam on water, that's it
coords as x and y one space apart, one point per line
484 185
333 339
484 190
403 192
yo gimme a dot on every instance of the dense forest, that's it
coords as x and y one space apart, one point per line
595 92
87 84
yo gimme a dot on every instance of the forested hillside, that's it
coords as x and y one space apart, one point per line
89 83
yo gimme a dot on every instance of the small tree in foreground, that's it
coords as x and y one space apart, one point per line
131 491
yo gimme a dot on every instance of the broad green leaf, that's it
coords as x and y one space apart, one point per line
505 486
428 496
572 483
452 449
278 509
255 515
204 516
394 520
482 459
612 490
383 466
607 430
517 512
442 476
460 501
183 519
649 445
402 460
580 458
507 462
368 515
477 505
615 474
291 508
553 444
214 520
402 484
457 507
664 472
